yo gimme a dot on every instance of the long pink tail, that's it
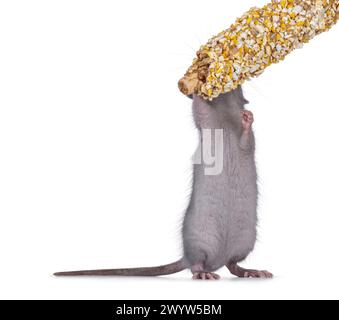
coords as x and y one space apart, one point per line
136 272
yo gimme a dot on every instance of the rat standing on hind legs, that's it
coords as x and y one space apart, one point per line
219 227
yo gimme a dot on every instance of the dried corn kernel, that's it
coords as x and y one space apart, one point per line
257 39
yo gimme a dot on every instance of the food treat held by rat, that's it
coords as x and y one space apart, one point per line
262 36
219 227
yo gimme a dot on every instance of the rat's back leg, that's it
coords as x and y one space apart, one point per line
201 253
248 273
198 260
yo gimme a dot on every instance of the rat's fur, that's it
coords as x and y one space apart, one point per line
220 223
219 227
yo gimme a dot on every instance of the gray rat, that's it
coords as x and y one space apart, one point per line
219 227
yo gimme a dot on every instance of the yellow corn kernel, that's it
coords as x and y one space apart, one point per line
255 41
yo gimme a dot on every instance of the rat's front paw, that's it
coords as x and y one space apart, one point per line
247 119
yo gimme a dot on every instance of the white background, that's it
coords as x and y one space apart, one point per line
96 140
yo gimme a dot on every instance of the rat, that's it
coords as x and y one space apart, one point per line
219 226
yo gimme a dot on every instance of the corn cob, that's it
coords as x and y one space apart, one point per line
262 36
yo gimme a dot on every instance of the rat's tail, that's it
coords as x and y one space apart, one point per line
136 272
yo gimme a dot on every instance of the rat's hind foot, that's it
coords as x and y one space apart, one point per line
205 276
200 274
248 273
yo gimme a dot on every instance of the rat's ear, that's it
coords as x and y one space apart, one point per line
240 95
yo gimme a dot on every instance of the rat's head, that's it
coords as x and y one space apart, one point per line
219 112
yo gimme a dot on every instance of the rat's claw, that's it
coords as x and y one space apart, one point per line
258 274
267 274
205 276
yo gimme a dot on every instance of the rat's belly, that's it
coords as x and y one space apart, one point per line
220 235
220 224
